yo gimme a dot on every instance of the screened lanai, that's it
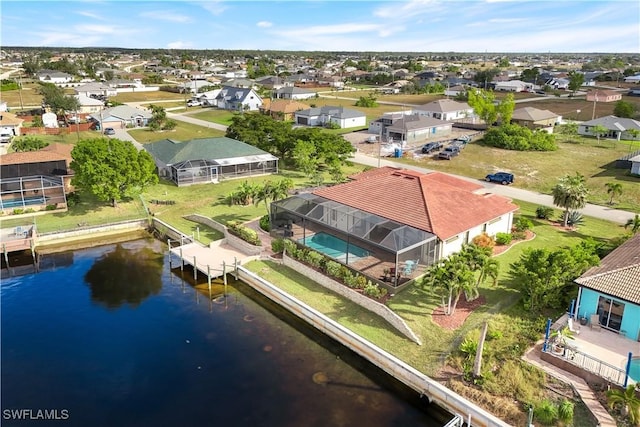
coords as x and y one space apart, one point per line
362 240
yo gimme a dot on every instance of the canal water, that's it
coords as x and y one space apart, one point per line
109 336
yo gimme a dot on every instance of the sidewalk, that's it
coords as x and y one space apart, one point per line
579 385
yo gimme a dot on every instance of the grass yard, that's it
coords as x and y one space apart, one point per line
147 96
30 97
540 171
65 138
214 115
89 212
169 104
183 132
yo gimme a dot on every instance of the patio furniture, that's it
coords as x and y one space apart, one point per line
595 322
572 327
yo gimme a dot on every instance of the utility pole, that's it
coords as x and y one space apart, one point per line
595 100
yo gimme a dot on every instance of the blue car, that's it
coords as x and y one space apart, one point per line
503 178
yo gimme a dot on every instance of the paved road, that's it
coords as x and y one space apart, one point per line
596 211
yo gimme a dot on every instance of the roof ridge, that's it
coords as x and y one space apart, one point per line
615 270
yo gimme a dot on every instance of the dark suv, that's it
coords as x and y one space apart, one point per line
431 146
503 178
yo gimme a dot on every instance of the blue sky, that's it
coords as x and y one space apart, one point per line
332 25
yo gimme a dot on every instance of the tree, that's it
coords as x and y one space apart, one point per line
599 130
505 108
59 102
576 79
482 102
28 143
628 401
265 133
634 224
544 275
614 189
570 193
112 169
624 109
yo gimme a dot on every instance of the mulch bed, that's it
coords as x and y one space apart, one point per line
462 311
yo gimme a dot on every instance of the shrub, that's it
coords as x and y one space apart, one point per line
73 199
333 269
494 335
373 290
361 282
265 224
544 212
503 238
245 233
18 211
290 248
515 137
546 412
519 235
51 207
565 411
349 279
316 259
523 224
484 241
575 218
277 245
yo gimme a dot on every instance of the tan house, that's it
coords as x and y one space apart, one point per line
282 109
535 119
600 95
10 124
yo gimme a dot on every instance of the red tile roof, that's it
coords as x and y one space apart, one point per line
438 203
50 153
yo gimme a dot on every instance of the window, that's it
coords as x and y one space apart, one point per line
493 221
452 239
610 313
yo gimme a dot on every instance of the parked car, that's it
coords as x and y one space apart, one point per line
5 138
109 131
450 152
431 146
503 178
193 103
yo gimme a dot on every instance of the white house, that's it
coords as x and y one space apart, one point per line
55 77
343 117
292 92
618 127
632 79
89 105
122 116
96 89
514 86
445 109
238 99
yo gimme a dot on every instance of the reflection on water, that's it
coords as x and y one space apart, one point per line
117 339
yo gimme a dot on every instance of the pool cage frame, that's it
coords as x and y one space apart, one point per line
32 192
394 245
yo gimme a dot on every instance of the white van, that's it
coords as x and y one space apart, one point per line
5 137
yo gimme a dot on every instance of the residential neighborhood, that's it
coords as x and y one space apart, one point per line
467 223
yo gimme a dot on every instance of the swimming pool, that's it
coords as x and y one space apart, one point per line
634 372
334 247
16 203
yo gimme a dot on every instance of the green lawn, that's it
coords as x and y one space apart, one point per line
30 96
183 132
540 171
415 304
214 115
146 96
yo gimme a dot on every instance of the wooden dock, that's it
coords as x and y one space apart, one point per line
216 260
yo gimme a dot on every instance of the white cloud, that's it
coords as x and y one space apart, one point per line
214 7
93 29
335 29
406 10
92 15
264 24
166 15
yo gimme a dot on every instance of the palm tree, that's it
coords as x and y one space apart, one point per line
634 223
570 193
628 400
614 189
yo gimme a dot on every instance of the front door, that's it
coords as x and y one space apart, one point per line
214 174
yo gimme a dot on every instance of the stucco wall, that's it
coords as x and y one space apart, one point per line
630 326
363 301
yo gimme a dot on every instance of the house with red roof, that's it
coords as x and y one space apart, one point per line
35 179
390 218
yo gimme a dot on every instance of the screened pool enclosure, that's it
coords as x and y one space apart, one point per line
386 251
